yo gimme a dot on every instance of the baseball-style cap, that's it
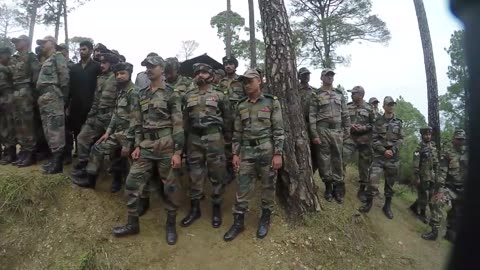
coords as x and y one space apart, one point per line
45 39
202 67
123 66
154 60
389 100
172 63
327 71
373 100
230 60
250 74
460 134
357 89
303 70
22 37
426 130
220 72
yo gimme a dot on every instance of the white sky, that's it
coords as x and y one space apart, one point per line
138 27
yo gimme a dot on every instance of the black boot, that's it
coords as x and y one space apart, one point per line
81 173
387 210
237 227
216 216
170 228
56 166
132 227
264 223
9 155
414 208
193 215
82 164
423 216
339 192
28 160
367 206
432 235
116 182
328 191
86 182
47 164
143 206
361 194
19 159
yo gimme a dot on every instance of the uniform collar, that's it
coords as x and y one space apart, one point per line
259 98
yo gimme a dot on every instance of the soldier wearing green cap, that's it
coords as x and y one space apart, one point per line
175 80
374 102
7 129
425 168
305 91
386 142
207 119
449 187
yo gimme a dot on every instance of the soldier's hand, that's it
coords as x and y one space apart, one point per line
317 141
125 151
136 153
438 197
388 153
103 138
236 162
277 162
176 161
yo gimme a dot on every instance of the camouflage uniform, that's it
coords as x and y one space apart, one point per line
7 130
372 101
182 84
306 92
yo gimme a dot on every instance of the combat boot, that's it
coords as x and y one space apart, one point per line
143 206
56 166
339 192
216 216
367 206
264 224
193 215
387 208
171 231
328 191
132 227
86 182
19 159
237 227
432 235
116 182
9 155
361 194
28 160
79 169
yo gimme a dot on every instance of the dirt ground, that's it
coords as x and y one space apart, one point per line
73 231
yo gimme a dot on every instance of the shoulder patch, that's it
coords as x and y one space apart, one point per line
271 96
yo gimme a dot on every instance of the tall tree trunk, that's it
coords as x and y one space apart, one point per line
228 38
57 18
65 25
253 40
430 71
296 187
33 20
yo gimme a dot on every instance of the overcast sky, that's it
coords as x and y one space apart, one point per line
138 27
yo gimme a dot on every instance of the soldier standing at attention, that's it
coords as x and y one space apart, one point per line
362 117
425 166
142 81
207 119
175 80
387 140
449 186
159 143
257 152
329 126
374 102
7 130
306 91
53 86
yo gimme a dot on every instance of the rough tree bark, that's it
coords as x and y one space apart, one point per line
228 38
253 41
430 71
65 25
33 19
296 187
58 16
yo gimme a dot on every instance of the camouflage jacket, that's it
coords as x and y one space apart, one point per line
234 89
328 107
6 86
124 120
257 121
160 111
425 162
23 68
54 71
363 115
182 85
204 109
387 135
104 99
305 97
453 165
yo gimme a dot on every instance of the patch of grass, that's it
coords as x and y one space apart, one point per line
406 193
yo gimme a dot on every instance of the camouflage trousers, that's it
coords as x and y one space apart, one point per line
206 159
229 166
424 193
7 128
329 155
364 158
52 112
455 195
389 167
86 138
141 173
255 164
23 106
112 146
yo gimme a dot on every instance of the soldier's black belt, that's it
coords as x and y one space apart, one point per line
155 135
329 125
205 131
255 142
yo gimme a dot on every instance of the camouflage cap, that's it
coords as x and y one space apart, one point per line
172 64
230 60
250 74
202 67
426 130
123 66
5 50
388 100
109 57
115 51
460 134
122 58
357 89
327 71
152 54
154 60
20 38
45 39
303 70
373 100
220 72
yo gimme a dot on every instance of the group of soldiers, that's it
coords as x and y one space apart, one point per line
217 126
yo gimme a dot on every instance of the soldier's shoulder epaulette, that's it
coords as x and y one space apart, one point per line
271 96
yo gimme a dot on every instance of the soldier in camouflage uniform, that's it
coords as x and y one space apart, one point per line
374 102
175 80
207 120
329 125
97 121
387 140
118 139
306 91
449 186
219 75
7 129
23 68
257 152
425 165
362 117
142 81
53 86
64 50
159 143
